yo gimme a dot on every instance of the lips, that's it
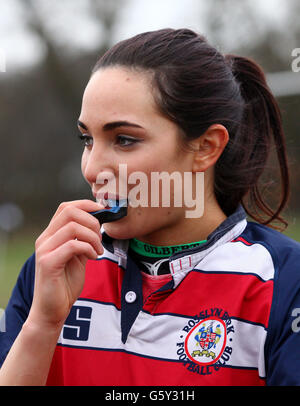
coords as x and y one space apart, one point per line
107 199
106 196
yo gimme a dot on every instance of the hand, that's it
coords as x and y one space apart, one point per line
62 250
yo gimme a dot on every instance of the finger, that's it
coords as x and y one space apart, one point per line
71 231
67 208
69 214
58 258
82 259
84 204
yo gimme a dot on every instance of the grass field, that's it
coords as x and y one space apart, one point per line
18 248
21 246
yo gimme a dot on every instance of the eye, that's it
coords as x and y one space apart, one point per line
126 141
87 139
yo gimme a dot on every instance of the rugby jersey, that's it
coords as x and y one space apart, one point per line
229 314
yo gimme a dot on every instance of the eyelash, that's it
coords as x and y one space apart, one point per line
131 140
87 138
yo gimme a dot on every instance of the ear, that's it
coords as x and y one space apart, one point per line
209 147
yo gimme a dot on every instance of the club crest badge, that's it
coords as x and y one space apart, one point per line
206 341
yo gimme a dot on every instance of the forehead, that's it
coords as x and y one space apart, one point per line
118 93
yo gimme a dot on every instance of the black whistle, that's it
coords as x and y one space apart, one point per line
114 213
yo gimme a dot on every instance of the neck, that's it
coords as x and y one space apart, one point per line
188 230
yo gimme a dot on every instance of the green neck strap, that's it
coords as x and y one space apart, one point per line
157 251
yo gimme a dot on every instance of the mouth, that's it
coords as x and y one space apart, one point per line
108 200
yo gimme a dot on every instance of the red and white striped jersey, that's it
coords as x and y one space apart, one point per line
225 315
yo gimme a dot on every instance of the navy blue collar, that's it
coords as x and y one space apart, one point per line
228 224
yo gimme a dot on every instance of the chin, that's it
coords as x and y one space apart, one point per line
118 231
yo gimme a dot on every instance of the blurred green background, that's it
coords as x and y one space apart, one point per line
47 51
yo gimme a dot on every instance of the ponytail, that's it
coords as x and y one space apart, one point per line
260 129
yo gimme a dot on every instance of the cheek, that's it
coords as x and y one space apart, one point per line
157 164
83 164
142 221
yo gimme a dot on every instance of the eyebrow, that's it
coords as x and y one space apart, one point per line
112 125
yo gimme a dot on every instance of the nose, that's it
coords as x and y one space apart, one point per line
97 165
106 176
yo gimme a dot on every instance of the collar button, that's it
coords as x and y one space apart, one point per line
130 297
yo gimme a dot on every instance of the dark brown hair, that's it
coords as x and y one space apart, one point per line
196 86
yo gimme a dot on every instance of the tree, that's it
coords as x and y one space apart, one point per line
40 164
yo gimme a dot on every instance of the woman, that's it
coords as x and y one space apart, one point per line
158 297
